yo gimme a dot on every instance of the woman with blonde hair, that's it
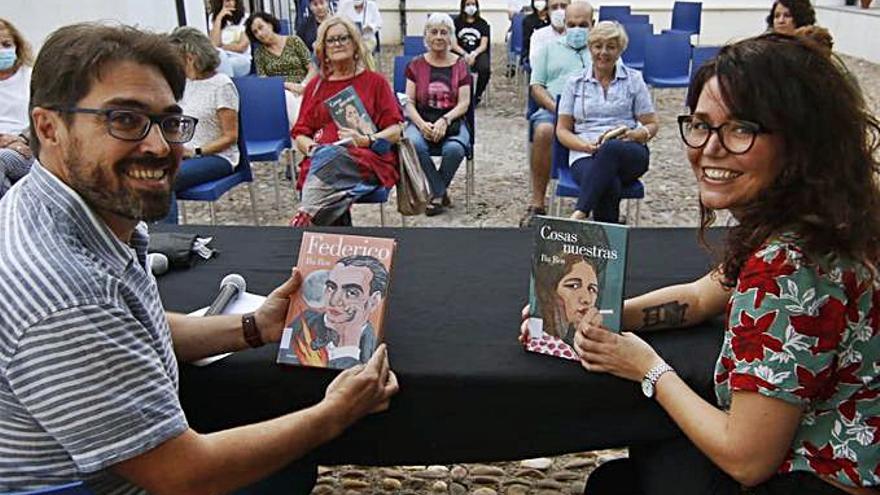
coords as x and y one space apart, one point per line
342 163
15 78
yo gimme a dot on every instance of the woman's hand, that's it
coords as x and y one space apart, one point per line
625 355
470 59
439 131
224 12
587 146
294 88
524 326
427 130
16 144
639 135
356 137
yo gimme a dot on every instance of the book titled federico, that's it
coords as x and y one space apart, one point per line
348 111
335 319
578 271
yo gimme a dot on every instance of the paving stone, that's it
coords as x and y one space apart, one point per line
484 491
431 474
580 463
517 490
457 489
391 484
537 463
549 484
353 473
483 470
566 476
439 487
354 484
459 473
392 473
485 480
529 473
518 481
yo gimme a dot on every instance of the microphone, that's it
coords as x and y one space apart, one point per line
230 287
158 263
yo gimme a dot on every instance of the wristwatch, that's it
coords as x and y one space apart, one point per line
651 377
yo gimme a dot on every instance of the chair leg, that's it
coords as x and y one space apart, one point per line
253 203
469 186
382 214
275 171
403 220
638 211
628 205
213 215
182 206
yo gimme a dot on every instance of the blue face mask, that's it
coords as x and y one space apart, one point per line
576 37
7 58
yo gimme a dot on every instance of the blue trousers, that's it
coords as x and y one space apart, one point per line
196 171
452 149
602 176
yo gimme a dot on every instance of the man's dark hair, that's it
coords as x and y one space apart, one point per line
827 191
265 17
801 12
379 282
76 56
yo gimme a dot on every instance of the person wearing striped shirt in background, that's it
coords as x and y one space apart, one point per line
88 375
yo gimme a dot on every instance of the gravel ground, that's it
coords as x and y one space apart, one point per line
502 188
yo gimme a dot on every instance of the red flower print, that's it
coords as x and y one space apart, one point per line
818 387
762 276
823 462
750 338
874 421
847 374
853 291
848 409
828 326
727 365
749 383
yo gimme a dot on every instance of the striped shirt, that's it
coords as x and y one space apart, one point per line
88 376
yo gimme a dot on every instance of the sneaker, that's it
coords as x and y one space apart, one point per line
528 217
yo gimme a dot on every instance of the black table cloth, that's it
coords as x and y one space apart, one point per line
469 392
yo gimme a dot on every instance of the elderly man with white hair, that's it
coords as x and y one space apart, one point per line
438 91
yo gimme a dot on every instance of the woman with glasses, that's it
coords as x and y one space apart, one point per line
796 407
438 90
606 119
15 77
343 162
211 98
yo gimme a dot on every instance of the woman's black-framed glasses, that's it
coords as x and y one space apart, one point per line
134 125
736 136
340 40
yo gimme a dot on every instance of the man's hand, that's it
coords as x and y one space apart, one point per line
363 389
271 315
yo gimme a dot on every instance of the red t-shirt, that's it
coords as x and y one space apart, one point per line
315 121
437 87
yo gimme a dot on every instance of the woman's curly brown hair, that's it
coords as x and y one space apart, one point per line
827 191
801 12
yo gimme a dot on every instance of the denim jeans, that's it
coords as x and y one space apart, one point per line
195 171
452 149
603 175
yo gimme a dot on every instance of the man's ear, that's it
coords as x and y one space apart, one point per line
49 127
374 301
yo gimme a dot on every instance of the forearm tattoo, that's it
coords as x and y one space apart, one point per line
671 314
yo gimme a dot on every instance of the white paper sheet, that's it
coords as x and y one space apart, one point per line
244 303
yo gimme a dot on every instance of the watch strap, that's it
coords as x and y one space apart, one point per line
251 332
654 374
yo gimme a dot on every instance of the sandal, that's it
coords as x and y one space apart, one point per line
435 207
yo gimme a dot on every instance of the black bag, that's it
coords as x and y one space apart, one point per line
179 247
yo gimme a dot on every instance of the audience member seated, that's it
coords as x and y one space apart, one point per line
552 67
538 18
319 10
278 55
548 34
472 38
227 34
365 15
514 7
212 98
607 96
795 407
344 162
438 95
15 79
787 15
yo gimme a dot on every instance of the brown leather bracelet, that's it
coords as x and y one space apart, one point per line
251 332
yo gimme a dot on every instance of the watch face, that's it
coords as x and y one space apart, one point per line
647 388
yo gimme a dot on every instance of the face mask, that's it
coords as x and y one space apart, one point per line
470 9
557 18
7 58
358 3
576 37
540 5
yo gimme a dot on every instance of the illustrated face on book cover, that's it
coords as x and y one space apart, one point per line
348 301
578 290
569 290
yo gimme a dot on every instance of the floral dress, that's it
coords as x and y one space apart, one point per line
807 333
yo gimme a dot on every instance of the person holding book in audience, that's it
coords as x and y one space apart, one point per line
606 119
438 89
796 381
787 15
227 34
471 40
279 55
15 78
212 98
319 11
343 163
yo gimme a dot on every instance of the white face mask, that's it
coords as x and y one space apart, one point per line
557 18
540 5
358 3
470 9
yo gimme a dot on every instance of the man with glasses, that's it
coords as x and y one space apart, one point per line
88 356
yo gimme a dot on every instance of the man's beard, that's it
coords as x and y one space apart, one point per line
95 184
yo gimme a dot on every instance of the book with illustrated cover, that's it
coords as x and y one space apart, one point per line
336 318
348 111
578 272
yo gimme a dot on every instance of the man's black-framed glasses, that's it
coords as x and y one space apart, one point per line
736 136
134 125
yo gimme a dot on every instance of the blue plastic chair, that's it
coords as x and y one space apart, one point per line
264 122
668 60
285 27
638 19
77 488
567 187
700 55
617 13
634 55
517 42
686 18
414 45
379 196
213 190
